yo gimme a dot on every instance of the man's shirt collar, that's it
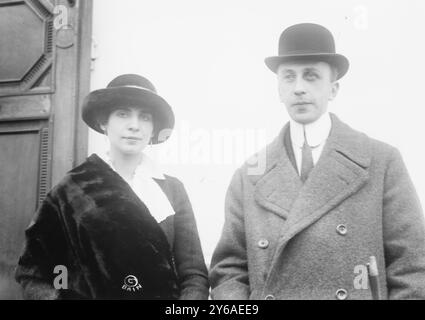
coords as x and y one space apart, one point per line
316 132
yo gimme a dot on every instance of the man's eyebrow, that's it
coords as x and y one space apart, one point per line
287 70
311 69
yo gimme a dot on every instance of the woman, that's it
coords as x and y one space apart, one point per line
120 227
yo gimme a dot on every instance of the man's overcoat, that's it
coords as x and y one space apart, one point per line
283 239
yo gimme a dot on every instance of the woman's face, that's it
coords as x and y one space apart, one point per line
129 130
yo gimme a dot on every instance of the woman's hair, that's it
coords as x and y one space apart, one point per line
103 118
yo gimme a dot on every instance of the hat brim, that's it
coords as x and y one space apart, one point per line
101 103
337 60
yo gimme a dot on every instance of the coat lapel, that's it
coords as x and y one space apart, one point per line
340 172
334 179
279 186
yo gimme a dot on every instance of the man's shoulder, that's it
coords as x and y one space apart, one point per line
370 153
360 142
262 161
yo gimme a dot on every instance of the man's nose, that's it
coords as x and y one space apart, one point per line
299 88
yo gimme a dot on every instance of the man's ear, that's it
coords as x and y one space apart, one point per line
278 88
334 90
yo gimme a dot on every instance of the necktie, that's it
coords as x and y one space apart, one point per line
307 161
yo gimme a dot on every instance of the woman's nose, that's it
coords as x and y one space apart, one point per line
134 123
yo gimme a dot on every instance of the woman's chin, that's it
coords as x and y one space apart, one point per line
132 151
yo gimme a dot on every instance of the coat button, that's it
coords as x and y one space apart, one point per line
341 229
341 294
270 297
263 244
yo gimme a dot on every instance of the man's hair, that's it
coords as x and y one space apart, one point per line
334 73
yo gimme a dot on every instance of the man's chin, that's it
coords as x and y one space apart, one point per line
304 118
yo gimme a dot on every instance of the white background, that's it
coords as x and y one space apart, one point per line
206 59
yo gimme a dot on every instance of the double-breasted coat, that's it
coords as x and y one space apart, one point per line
283 239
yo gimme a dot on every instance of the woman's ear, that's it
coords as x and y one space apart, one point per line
103 128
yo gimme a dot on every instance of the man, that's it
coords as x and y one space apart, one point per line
330 198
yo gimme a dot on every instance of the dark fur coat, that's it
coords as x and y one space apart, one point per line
95 225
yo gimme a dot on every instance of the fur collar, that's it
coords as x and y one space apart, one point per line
114 236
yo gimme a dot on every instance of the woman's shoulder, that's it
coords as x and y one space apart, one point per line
172 184
172 179
85 171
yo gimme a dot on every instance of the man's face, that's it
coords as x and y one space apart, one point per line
129 130
306 88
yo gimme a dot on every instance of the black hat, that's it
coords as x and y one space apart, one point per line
134 91
308 41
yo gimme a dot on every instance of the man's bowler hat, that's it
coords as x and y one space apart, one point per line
308 41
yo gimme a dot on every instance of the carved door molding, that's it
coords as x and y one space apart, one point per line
44 76
26 47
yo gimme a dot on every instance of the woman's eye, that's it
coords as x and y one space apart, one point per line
121 114
146 117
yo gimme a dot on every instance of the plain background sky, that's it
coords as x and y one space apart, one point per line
206 59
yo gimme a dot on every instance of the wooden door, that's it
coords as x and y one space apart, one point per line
44 74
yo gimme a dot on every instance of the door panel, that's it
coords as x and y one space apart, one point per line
44 75
22 149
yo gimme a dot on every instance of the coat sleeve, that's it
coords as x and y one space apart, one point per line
190 263
404 233
229 269
44 248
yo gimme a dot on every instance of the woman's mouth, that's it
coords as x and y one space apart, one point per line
133 139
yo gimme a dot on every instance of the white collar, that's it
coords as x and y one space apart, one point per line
146 168
316 132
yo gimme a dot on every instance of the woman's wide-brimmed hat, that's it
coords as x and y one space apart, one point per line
308 41
129 90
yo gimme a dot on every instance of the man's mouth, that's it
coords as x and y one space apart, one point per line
303 103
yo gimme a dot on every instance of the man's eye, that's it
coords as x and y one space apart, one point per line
288 77
311 76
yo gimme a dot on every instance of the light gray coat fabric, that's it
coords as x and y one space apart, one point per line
282 239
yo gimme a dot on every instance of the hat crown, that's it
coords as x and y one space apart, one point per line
305 39
132 80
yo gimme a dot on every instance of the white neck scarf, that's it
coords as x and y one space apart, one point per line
144 186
